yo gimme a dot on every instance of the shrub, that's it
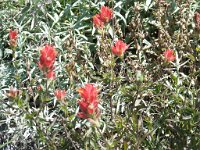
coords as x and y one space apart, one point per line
131 67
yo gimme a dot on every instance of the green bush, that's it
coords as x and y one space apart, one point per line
147 98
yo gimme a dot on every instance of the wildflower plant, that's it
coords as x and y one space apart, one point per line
119 48
99 74
13 38
89 103
47 58
103 17
169 55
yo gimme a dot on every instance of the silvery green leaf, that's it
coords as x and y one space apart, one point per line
122 17
147 4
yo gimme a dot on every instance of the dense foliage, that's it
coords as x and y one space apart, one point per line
96 74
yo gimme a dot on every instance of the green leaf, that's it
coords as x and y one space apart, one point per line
121 17
147 4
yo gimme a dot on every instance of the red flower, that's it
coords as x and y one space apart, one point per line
88 102
51 75
103 17
106 14
13 34
89 92
97 21
47 58
13 37
169 55
60 94
119 48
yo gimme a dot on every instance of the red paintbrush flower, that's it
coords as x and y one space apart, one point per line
51 75
89 92
106 14
103 17
13 37
60 94
119 48
169 55
97 21
89 102
13 34
47 58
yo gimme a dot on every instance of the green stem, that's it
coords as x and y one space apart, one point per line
46 89
111 83
102 136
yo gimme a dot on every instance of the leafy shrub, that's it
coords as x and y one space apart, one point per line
132 67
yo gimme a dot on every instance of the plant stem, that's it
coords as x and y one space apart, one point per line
112 68
46 89
111 83
102 135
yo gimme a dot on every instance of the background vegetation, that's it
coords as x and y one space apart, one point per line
145 102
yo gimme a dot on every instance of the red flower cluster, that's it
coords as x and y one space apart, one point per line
47 58
13 37
119 48
105 14
51 75
97 21
103 17
60 94
169 55
89 103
